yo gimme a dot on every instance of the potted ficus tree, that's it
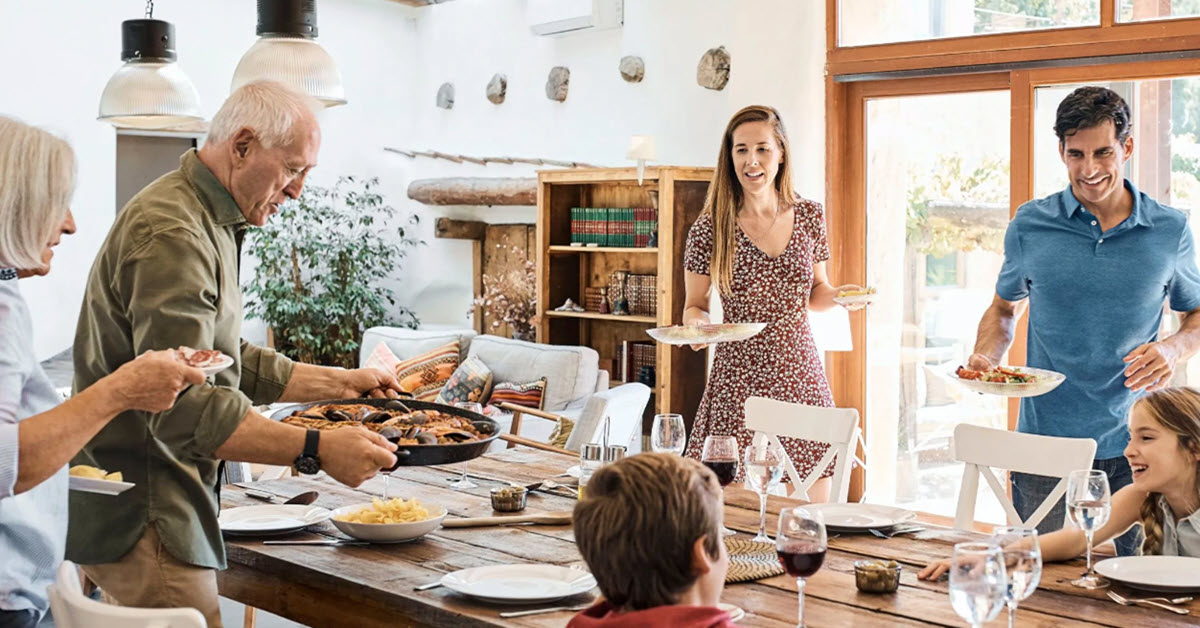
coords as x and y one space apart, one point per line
321 265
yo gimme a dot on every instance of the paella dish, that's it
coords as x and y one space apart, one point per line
394 421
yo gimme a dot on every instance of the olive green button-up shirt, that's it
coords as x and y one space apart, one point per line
166 276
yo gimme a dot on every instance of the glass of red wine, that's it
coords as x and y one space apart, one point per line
721 455
801 546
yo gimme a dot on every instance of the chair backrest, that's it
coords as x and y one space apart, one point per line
624 406
982 448
838 427
72 609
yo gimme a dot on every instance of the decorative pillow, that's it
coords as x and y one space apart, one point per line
472 381
382 358
561 432
530 395
424 375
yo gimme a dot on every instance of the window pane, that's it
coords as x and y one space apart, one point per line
865 22
937 207
1142 10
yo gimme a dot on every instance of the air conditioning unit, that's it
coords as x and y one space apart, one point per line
561 17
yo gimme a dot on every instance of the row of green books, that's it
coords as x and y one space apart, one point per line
613 226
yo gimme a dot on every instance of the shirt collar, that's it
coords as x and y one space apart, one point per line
212 194
7 274
1071 206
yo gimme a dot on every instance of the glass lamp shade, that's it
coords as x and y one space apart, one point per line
301 63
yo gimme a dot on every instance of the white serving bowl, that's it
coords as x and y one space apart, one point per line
388 532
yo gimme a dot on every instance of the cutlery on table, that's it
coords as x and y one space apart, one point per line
545 518
889 534
302 499
426 587
315 542
539 611
1175 600
1127 602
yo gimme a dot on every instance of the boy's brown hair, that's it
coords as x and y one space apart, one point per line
637 524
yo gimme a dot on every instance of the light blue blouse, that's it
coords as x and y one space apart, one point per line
1180 538
33 525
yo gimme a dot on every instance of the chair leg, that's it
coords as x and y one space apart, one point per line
515 429
248 619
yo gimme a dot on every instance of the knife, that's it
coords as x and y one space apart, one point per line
315 542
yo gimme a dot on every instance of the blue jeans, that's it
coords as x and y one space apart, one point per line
19 619
1030 490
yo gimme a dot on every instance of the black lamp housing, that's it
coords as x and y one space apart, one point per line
287 18
146 40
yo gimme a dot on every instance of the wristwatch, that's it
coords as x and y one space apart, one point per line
308 462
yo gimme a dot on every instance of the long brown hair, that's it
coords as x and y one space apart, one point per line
1177 410
725 193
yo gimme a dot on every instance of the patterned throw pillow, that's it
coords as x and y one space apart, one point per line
530 395
382 358
472 381
425 374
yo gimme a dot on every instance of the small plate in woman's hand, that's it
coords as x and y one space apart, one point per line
705 334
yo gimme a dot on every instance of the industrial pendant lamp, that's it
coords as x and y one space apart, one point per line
150 91
286 52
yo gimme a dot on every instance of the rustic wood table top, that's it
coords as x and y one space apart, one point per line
373 585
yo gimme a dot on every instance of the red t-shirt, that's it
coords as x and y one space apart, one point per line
602 615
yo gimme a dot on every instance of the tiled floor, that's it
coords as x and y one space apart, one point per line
60 371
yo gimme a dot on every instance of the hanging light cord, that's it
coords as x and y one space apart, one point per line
149 9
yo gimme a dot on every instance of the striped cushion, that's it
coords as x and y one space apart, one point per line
529 395
424 375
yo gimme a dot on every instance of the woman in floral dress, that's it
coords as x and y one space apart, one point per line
764 249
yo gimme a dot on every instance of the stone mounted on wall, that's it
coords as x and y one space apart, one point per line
713 71
497 88
445 97
632 69
557 83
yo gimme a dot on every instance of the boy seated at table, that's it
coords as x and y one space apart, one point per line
650 531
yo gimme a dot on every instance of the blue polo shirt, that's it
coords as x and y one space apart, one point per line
1093 297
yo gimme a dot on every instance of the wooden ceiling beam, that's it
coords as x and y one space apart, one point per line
475 191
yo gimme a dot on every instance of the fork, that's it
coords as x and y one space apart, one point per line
1127 602
1174 600
539 611
889 534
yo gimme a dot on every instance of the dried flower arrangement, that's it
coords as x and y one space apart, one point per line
511 298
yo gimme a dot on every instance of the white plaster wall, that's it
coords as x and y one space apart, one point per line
393 59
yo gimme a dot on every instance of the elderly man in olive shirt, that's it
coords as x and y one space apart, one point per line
167 276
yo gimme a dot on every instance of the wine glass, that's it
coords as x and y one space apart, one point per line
721 455
1022 565
464 482
1089 503
764 469
668 434
978 584
801 546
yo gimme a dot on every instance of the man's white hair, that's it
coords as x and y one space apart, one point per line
37 179
269 108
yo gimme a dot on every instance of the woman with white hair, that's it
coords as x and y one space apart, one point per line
39 436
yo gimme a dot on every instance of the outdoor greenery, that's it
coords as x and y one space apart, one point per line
949 180
321 263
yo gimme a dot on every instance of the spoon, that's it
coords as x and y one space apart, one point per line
303 499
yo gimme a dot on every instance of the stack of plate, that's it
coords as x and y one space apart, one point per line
850 518
519 584
271 519
1164 574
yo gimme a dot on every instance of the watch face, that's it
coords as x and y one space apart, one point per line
307 465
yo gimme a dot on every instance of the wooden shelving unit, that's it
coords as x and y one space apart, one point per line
564 271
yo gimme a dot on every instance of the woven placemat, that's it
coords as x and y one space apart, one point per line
750 560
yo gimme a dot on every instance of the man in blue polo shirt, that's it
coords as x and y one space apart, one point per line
1095 263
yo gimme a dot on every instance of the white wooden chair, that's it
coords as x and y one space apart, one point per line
72 609
982 448
771 419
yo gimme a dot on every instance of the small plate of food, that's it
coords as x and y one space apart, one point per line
393 521
1009 381
89 479
705 334
209 361
863 296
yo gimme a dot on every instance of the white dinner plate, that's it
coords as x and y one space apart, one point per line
858 299
861 516
572 471
1046 381
1167 574
94 485
735 612
270 519
519 584
705 334
221 364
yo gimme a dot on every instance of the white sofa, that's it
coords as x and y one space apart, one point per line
576 387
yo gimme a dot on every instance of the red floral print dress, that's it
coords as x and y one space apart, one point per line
781 362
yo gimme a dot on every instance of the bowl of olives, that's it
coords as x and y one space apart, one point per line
877 576
509 498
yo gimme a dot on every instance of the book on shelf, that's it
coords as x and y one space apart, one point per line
623 227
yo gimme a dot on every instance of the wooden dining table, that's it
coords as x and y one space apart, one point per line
375 585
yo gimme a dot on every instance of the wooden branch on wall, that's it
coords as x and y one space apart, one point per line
475 191
458 159
460 229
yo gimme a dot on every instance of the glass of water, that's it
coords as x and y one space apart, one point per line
764 469
1022 565
978 583
465 482
1089 503
668 434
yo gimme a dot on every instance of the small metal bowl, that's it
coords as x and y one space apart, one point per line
509 498
877 576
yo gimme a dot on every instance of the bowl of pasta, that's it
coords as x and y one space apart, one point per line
392 521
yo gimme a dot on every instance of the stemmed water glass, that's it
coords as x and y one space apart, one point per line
464 482
1022 565
1089 504
668 434
764 469
978 584
801 546
721 455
